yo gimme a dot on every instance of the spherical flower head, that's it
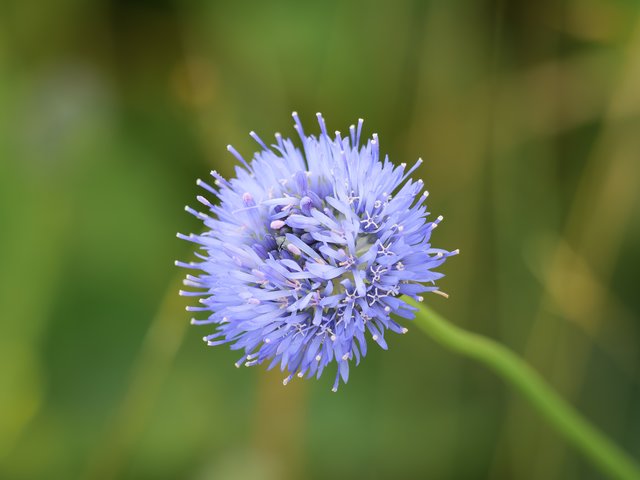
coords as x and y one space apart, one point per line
309 252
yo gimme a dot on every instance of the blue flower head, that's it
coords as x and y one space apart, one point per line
309 251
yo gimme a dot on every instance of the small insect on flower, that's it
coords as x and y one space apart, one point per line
309 251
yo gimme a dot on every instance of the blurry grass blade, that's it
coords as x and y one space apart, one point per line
160 346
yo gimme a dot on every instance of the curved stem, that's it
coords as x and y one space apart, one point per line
565 419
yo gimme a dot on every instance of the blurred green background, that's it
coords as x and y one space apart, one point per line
528 116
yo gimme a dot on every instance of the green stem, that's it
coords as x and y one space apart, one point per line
568 422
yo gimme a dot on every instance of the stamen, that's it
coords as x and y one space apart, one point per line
442 294
206 186
298 125
253 135
323 126
247 199
358 132
236 154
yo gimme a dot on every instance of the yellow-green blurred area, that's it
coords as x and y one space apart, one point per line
528 117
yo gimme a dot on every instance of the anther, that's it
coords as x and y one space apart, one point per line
293 249
277 224
247 199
